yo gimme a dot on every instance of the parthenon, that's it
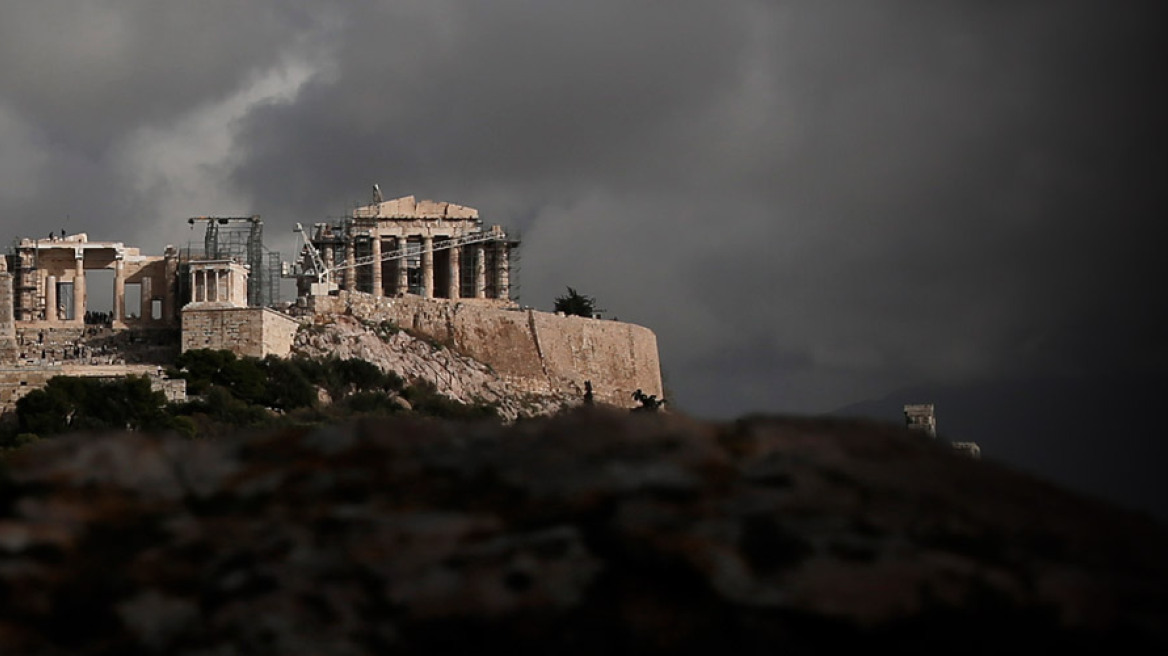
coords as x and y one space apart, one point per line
405 246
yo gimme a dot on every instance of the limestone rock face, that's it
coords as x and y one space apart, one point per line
454 375
586 533
535 352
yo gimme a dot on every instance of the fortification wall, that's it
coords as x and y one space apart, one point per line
255 332
537 351
617 357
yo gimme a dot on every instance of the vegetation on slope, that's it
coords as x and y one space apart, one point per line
227 392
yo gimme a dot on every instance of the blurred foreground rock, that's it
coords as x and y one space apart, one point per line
582 534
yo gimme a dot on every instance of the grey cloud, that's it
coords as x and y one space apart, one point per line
809 203
533 97
89 72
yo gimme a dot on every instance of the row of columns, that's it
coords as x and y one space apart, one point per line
207 285
80 294
52 311
453 291
50 285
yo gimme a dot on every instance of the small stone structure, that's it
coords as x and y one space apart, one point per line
970 449
217 283
921 417
218 316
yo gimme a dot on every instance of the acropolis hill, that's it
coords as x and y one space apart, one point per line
431 269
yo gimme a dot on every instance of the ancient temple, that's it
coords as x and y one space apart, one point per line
405 246
49 281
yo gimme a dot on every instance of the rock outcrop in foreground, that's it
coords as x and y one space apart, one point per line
586 533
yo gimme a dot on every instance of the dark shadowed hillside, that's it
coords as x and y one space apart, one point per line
1105 437
585 533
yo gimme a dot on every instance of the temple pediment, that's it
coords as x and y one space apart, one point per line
408 207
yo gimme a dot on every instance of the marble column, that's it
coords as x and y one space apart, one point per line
453 288
119 290
480 255
427 267
146 300
51 298
79 288
377 290
403 267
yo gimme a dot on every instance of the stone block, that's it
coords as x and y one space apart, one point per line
430 209
404 206
460 212
254 332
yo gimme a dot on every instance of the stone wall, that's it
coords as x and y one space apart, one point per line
41 344
16 382
254 332
537 351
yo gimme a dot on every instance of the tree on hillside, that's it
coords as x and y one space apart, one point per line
576 303
73 404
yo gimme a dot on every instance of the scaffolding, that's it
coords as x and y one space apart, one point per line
241 239
28 289
514 261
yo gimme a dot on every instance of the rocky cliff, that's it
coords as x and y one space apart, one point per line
535 352
412 357
586 533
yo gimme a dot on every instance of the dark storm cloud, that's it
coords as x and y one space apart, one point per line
808 202
530 97
80 81
89 72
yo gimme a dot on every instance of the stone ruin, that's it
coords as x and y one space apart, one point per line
922 417
405 247
431 267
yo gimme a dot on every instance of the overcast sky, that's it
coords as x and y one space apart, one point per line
811 203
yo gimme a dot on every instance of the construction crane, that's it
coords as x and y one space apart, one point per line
318 268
